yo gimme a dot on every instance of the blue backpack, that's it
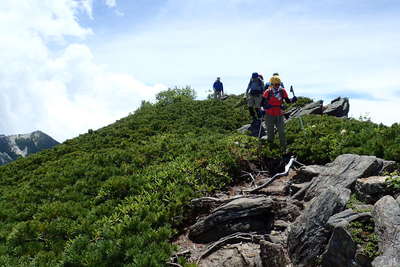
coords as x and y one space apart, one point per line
256 87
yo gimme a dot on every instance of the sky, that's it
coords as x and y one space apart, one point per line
73 65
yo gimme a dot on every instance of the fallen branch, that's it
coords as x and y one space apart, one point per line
251 176
232 239
286 172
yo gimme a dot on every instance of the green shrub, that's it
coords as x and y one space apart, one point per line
116 196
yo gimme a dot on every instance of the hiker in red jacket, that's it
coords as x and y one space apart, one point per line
272 102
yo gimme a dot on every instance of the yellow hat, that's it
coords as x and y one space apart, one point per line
275 80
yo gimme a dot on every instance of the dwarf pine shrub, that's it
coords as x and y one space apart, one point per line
116 196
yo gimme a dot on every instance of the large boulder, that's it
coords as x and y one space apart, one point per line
309 234
307 173
339 107
311 108
341 249
372 189
239 215
341 173
387 225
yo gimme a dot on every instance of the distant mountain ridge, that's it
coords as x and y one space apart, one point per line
22 145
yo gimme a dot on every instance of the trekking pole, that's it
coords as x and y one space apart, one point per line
301 120
259 131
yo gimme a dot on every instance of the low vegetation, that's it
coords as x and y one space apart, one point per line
117 195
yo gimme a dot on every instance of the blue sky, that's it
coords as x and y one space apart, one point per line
312 45
99 58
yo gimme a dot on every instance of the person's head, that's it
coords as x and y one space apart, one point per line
254 75
218 78
275 74
275 81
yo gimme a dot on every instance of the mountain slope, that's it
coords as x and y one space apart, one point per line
22 145
116 196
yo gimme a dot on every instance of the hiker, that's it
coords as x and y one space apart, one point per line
272 102
254 93
218 89
268 84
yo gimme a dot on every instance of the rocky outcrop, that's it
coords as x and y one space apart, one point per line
341 249
22 145
307 173
268 227
309 233
338 107
387 225
239 215
373 188
311 108
342 173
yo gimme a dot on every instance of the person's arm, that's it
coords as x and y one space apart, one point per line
248 88
222 88
264 101
287 99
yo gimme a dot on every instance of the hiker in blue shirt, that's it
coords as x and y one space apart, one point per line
254 93
218 89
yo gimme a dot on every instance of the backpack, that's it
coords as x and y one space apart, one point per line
256 87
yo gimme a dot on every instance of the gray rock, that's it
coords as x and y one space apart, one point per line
272 255
388 166
387 225
240 215
341 249
309 234
311 108
253 129
307 173
280 225
342 219
363 208
244 129
371 189
398 200
339 107
237 255
294 188
341 173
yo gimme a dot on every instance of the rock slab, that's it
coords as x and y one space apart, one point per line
341 173
309 234
240 215
387 225
338 107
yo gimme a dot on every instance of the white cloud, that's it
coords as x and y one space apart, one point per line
384 111
62 91
328 49
111 3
